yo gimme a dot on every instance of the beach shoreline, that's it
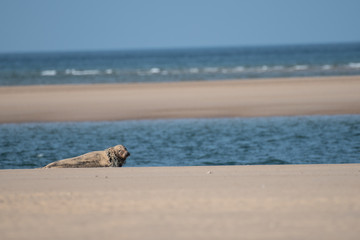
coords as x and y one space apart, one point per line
207 202
207 99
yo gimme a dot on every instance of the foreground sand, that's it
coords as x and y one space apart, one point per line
230 202
239 98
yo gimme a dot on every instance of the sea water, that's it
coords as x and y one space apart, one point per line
189 142
237 141
173 65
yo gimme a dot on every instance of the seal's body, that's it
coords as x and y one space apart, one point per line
111 157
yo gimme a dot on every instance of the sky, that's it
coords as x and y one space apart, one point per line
80 25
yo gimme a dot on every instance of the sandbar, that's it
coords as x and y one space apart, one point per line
201 99
207 202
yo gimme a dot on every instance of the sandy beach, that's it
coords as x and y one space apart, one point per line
222 202
237 98
209 202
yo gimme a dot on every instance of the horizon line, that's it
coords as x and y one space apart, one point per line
130 49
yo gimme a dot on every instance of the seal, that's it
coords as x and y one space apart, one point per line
111 157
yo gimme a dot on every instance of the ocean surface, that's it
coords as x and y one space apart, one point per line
237 141
189 142
172 65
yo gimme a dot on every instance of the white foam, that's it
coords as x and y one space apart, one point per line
109 71
326 67
194 70
48 73
264 68
81 72
300 67
239 69
154 70
259 69
354 65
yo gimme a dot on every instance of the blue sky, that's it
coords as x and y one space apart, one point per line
67 25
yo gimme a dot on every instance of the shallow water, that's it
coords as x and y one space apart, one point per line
189 142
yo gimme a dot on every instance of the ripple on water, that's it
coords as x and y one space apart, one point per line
189 142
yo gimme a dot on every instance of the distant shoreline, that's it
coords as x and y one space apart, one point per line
179 48
225 98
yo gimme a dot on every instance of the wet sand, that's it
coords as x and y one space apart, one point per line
237 98
208 202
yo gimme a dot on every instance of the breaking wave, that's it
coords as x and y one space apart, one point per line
179 64
48 73
81 72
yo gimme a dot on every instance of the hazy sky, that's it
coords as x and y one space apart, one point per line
62 25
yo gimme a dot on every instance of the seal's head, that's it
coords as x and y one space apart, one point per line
117 155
